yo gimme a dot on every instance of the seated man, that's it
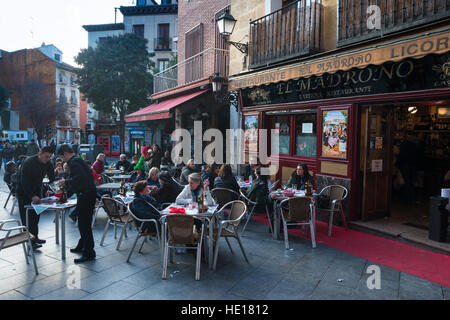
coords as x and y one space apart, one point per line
10 177
123 163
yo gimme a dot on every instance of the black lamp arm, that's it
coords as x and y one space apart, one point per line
242 47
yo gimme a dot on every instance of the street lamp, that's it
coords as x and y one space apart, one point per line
225 24
216 82
229 97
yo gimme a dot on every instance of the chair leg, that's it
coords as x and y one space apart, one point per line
313 233
330 223
25 252
242 247
104 232
248 219
165 258
216 251
198 260
142 245
286 236
132 248
32 255
6 203
13 206
229 246
115 230
124 230
94 217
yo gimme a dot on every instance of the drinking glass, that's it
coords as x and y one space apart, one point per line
294 187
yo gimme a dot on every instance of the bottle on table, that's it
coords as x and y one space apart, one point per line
63 198
200 203
123 191
205 202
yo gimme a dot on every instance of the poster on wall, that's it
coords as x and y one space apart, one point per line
334 134
115 144
251 133
127 142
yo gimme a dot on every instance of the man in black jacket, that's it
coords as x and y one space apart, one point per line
29 188
81 183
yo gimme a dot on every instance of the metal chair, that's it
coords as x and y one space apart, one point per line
337 195
274 185
180 233
18 238
117 215
253 205
141 231
294 210
11 193
181 186
106 178
223 196
98 205
230 228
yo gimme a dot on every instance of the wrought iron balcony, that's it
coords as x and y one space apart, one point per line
357 22
292 31
200 66
162 44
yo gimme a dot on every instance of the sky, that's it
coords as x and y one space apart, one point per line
29 23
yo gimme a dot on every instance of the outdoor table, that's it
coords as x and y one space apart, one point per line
112 172
277 210
244 185
121 177
206 216
126 200
60 210
109 186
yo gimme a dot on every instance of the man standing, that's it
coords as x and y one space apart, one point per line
32 148
19 151
29 188
7 153
81 183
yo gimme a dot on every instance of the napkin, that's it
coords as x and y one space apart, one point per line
247 181
177 210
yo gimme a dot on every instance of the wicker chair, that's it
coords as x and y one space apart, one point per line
13 194
117 215
298 211
223 196
180 233
106 178
139 223
21 237
252 204
274 185
337 195
230 228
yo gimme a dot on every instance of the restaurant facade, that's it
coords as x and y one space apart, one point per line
345 113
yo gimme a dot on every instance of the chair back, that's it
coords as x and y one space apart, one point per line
296 208
222 195
274 185
106 178
113 208
238 209
181 229
246 199
337 192
180 186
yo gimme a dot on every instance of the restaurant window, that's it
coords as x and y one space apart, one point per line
281 125
305 135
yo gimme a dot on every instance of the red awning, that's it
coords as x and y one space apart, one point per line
160 110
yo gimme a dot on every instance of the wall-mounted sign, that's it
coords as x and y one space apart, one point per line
251 133
377 166
429 72
307 127
334 133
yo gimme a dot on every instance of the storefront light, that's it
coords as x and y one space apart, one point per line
412 110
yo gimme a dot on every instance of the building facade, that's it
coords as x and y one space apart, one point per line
344 95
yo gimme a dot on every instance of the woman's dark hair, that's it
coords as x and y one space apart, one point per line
213 166
305 170
261 177
225 171
139 186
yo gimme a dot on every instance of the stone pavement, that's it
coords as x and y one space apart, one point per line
273 272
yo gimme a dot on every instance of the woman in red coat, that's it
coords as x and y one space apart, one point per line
99 164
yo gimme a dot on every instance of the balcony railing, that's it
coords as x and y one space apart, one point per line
162 44
199 66
395 15
290 32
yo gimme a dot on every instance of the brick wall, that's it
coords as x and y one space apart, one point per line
190 15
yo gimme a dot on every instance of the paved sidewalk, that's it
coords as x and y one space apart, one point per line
273 272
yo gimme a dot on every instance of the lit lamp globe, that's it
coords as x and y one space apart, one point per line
226 23
216 82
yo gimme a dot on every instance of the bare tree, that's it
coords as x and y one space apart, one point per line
38 104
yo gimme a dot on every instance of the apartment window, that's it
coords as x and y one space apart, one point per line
73 97
72 115
138 29
62 95
163 64
193 46
102 40
163 36
57 57
62 77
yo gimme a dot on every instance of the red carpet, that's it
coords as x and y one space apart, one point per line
421 263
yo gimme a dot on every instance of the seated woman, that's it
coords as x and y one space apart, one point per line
194 188
186 171
134 162
299 177
139 173
99 164
226 179
143 206
153 178
168 192
210 173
